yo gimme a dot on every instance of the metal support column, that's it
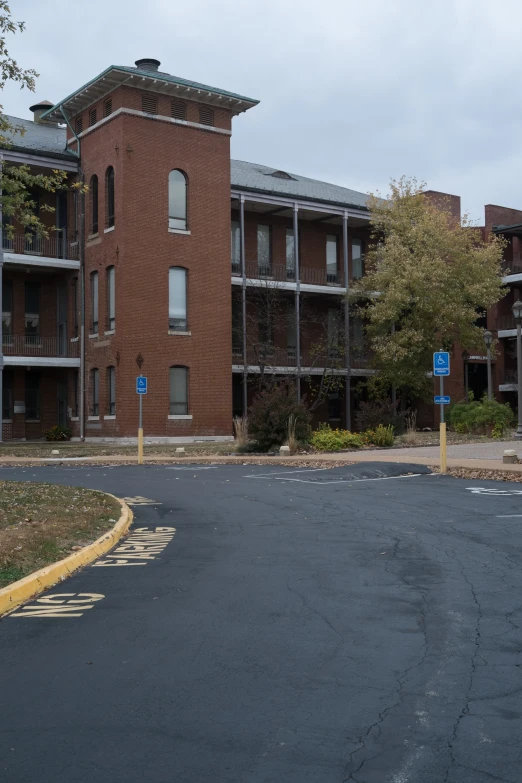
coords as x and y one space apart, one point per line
297 303
1 323
243 300
348 396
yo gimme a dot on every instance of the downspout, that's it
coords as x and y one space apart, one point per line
81 248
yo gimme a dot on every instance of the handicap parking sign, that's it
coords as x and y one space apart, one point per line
441 363
141 384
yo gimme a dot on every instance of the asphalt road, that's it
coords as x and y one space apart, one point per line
298 626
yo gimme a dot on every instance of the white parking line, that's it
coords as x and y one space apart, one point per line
354 481
188 467
284 472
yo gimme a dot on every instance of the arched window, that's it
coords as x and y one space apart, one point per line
177 200
111 298
177 299
178 391
109 196
111 391
95 392
93 188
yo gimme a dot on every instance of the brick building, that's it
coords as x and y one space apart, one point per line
199 272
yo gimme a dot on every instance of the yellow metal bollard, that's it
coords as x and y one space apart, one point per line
443 447
140 446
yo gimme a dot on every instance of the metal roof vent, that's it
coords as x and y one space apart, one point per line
147 64
39 108
281 175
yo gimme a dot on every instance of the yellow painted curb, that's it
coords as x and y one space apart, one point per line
26 588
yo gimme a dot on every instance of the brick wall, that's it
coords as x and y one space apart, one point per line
142 152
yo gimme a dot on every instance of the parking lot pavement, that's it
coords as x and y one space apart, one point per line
264 624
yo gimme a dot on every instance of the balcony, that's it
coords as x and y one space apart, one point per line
505 323
310 360
512 268
286 274
39 250
40 351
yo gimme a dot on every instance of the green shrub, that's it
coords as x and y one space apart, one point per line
326 439
478 415
58 433
375 412
380 436
269 414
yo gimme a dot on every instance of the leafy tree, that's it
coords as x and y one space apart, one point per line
269 414
17 183
429 277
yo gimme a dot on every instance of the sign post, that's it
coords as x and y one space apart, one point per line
141 389
441 368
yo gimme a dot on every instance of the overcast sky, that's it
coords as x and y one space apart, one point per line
352 92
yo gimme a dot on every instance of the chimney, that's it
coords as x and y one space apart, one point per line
147 64
38 109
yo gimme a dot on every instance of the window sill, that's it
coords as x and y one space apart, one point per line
92 336
92 236
32 421
110 331
74 418
93 418
186 417
7 421
110 417
179 231
74 339
183 334
108 230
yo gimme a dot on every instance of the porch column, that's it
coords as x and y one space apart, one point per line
1 322
243 300
347 324
297 302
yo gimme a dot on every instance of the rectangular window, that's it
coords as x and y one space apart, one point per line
76 400
291 331
107 107
93 116
290 254
236 247
357 332
94 302
111 391
334 333
111 298
7 394
237 326
149 104
357 259
178 110
75 305
178 299
178 391
331 258
264 251
32 311
95 392
7 312
266 334
206 116
32 395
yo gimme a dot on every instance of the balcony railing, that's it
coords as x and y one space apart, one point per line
46 347
512 268
52 247
505 322
283 273
510 376
287 357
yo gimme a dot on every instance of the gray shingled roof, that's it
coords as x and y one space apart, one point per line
50 140
254 177
39 138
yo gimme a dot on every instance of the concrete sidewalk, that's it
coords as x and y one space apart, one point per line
477 456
